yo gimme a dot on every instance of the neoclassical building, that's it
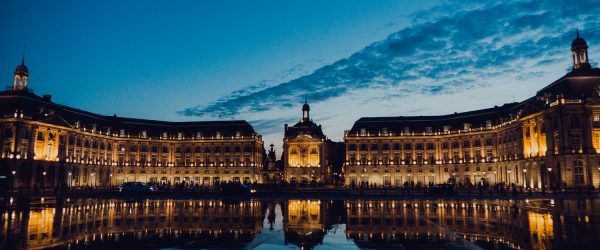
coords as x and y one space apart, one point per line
45 144
308 155
550 140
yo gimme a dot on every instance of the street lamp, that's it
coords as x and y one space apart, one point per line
14 173
550 178
44 181
525 177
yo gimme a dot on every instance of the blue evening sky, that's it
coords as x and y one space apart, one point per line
259 60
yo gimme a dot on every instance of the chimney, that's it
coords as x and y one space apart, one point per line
47 97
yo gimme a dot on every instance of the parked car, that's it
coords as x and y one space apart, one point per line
137 187
235 188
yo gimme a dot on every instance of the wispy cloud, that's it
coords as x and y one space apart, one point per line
446 49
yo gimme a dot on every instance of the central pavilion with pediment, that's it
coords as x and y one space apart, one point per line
306 151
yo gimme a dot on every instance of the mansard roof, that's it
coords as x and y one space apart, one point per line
42 109
575 84
476 119
304 127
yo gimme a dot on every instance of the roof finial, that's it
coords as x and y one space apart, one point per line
578 32
24 50
305 101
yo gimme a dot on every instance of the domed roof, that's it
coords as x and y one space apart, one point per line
22 69
305 106
579 42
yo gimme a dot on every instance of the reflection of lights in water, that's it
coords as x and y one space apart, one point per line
376 223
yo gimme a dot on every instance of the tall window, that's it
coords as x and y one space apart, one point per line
578 171
575 142
419 158
489 154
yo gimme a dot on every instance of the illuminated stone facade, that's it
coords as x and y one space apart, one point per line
44 144
307 152
551 140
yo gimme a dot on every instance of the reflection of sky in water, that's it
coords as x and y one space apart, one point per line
336 238
269 239
290 224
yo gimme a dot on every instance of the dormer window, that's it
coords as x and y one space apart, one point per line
144 134
466 126
122 133
407 130
165 135
363 132
238 134
93 128
108 131
219 135
446 129
179 135
429 130
384 132
488 124
77 124
198 135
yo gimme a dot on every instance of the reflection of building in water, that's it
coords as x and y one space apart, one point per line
536 224
209 222
306 221
393 223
